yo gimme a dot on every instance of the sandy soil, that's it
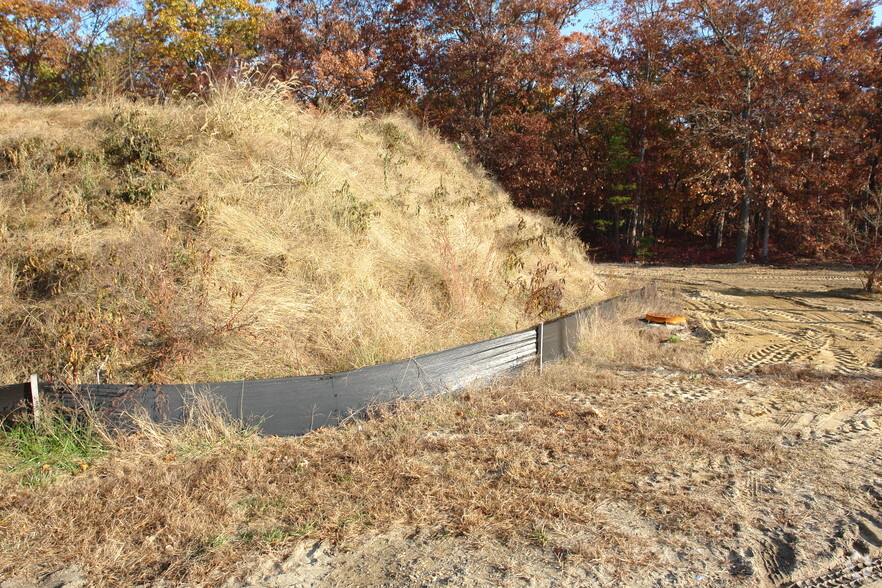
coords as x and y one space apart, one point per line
795 366
816 524
760 315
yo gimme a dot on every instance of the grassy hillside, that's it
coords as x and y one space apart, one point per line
246 238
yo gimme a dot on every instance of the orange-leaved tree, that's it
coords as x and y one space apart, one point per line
329 46
757 80
490 73
35 36
172 43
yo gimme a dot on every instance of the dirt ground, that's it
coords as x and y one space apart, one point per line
761 316
816 524
792 363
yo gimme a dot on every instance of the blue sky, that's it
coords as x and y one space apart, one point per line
591 15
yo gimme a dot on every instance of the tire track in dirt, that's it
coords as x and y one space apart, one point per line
762 310
859 539
778 555
757 328
838 427
854 553
861 572
828 318
758 318
855 544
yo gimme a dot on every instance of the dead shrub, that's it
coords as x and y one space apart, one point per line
42 274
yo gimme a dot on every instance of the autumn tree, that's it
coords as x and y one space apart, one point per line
856 234
637 52
574 118
398 47
755 78
489 71
329 45
87 45
49 47
32 33
34 38
173 42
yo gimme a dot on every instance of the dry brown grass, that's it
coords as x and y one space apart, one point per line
276 247
627 340
542 459
593 463
246 238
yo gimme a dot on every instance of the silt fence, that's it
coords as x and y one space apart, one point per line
294 406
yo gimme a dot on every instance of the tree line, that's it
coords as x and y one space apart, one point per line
745 126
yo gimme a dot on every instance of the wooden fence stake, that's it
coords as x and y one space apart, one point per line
35 401
540 330
566 338
242 402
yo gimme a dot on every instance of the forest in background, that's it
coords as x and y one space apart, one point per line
687 130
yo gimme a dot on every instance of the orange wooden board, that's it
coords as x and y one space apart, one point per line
666 319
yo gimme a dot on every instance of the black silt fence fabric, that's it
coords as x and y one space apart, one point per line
561 337
294 406
13 398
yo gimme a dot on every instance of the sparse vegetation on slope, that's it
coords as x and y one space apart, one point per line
246 238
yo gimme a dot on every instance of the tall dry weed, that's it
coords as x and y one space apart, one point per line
626 339
250 101
204 426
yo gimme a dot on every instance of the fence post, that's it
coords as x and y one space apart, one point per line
566 338
540 336
242 402
35 401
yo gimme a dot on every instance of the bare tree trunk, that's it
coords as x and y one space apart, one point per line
746 167
743 230
721 227
641 160
632 231
744 212
767 221
755 220
616 232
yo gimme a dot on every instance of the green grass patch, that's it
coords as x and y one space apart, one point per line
65 442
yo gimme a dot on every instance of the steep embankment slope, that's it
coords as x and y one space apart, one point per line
246 238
